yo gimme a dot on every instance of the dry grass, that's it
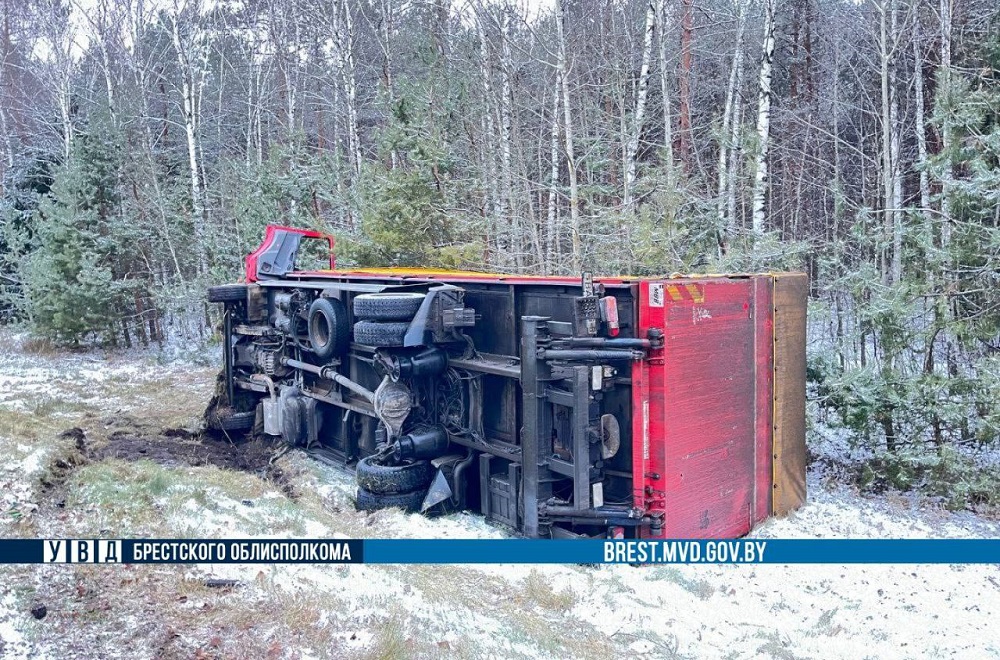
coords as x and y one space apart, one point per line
703 589
28 426
391 640
40 346
176 400
534 615
776 646
539 592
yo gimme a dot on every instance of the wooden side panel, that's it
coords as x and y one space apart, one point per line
789 314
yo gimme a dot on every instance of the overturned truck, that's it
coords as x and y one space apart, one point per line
614 406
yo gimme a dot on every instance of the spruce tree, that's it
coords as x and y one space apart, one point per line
72 291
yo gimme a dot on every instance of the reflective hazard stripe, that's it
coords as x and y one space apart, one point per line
681 292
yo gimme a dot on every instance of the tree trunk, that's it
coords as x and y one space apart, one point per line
763 120
920 127
489 150
574 193
668 132
189 98
684 84
891 184
639 115
734 163
728 132
946 138
6 96
343 43
101 32
510 217
552 233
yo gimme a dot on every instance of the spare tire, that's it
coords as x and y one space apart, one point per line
369 501
393 479
385 335
387 306
329 329
227 293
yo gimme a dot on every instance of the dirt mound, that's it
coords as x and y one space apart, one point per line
131 440
175 448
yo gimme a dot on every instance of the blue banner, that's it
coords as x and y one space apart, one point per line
740 551
500 551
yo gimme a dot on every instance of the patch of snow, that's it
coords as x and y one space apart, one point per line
13 643
32 463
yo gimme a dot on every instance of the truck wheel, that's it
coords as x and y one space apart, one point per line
387 306
227 420
393 479
369 501
329 328
227 293
387 335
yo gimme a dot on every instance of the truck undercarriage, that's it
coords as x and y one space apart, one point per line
621 407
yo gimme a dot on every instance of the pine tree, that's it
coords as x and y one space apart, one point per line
74 284
404 209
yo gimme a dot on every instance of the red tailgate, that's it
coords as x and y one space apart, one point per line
697 446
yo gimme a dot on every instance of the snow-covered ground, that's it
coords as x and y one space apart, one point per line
738 611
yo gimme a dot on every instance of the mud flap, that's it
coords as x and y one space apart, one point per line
439 491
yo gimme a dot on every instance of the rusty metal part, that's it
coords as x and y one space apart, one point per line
256 330
611 436
392 405
329 373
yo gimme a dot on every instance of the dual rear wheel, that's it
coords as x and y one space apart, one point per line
386 486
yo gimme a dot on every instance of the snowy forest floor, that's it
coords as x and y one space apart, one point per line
132 471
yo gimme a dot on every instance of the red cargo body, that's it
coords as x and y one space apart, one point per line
703 432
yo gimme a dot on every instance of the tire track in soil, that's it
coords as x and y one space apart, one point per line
132 441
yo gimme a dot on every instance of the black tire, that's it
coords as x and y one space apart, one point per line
374 333
227 293
369 501
387 306
393 479
227 420
329 329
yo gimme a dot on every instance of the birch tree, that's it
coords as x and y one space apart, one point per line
945 14
103 23
920 121
189 40
510 216
342 39
891 181
728 133
489 134
285 35
639 113
59 43
763 120
665 94
6 91
684 136
574 191
551 222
